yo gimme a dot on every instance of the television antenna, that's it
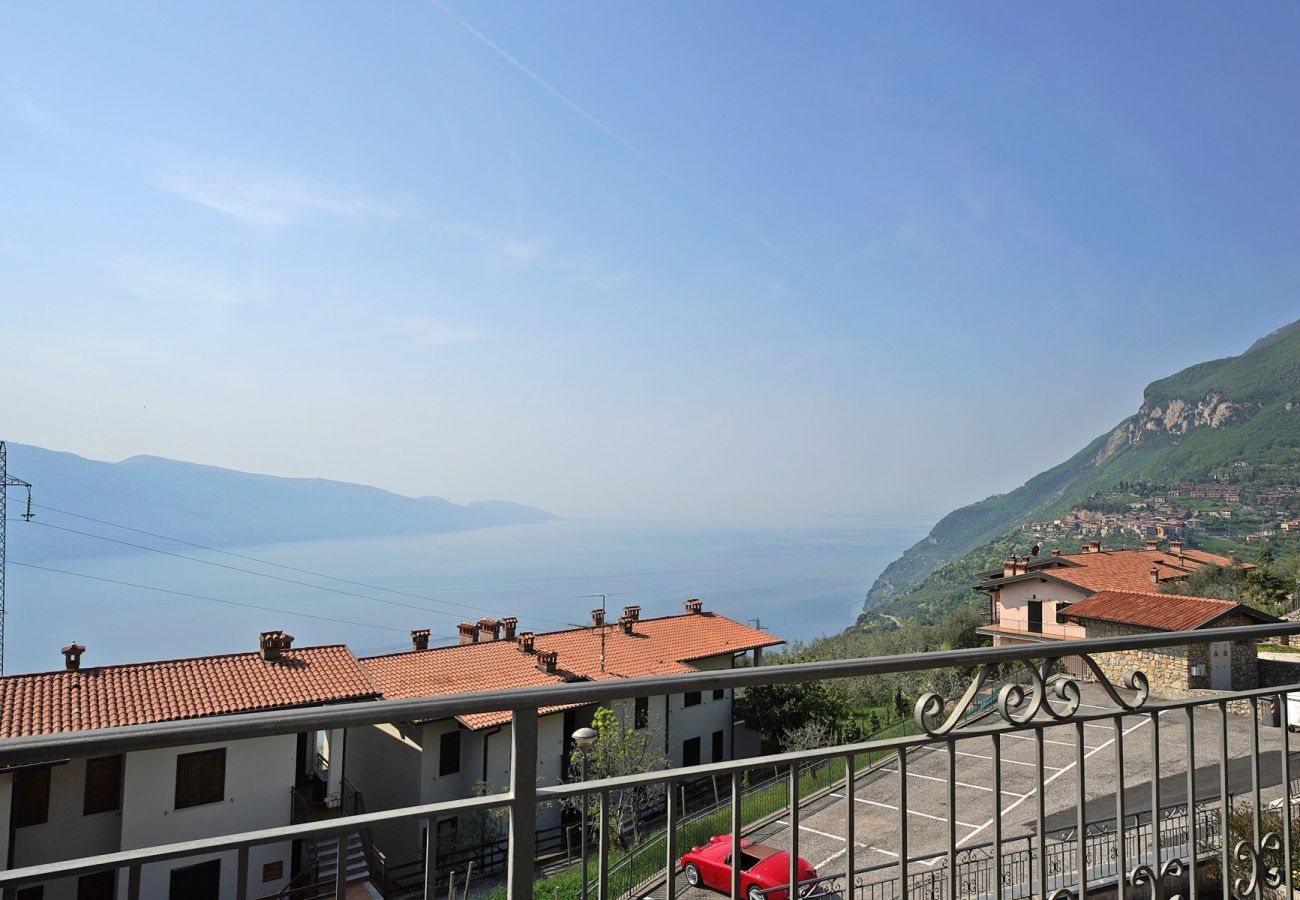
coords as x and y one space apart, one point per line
604 623
7 481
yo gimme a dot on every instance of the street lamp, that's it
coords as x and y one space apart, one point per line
585 738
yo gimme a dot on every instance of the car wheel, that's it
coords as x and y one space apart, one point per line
692 875
755 892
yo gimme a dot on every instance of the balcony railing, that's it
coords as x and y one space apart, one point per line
1003 805
1026 628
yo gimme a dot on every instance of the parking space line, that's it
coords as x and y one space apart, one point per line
910 812
978 787
1009 762
825 834
1025 737
1050 778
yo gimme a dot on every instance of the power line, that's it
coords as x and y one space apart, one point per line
208 562
265 562
7 480
146 587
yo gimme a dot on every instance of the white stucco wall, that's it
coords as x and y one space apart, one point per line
259 775
384 763
702 720
66 833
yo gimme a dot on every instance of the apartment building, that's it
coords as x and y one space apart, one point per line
63 809
405 763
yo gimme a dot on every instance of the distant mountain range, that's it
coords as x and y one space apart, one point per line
1241 408
217 507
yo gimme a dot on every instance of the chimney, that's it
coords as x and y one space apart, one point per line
625 623
1153 544
420 639
546 661
489 629
1155 575
273 643
597 618
509 623
1094 546
1176 547
694 606
468 633
525 642
1009 567
72 656
1056 551
632 612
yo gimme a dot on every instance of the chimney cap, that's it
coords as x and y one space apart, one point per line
420 638
526 641
695 605
72 655
273 643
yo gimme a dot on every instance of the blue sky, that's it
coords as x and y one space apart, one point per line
752 261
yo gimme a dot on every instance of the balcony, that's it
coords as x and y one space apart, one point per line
1035 787
1024 629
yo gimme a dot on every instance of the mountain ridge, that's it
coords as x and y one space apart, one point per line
1243 407
220 507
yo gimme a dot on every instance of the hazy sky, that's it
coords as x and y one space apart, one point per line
706 260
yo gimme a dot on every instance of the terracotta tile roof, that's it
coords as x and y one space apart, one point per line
1162 612
139 693
494 665
662 646
1126 570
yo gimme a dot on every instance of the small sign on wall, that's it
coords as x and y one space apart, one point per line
273 871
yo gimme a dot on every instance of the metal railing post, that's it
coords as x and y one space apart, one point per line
430 860
341 868
523 804
133 883
241 875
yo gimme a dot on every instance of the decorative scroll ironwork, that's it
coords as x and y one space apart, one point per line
1258 870
1017 705
1144 874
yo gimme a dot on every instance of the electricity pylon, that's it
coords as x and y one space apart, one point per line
6 480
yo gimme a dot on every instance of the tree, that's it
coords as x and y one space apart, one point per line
811 735
621 751
771 710
481 827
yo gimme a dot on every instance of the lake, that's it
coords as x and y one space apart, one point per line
797 583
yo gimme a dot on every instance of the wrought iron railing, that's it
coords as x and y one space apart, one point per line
1250 846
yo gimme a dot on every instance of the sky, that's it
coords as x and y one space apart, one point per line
712 261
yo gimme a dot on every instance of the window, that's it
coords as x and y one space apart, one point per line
691 752
717 746
691 699
35 892
720 694
103 785
449 753
31 796
99 886
641 718
201 882
200 779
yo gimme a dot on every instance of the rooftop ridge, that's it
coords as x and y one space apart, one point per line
172 660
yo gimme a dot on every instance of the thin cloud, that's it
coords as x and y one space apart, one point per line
753 233
266 200
173 284
426 333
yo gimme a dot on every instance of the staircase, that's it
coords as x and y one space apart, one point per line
325 852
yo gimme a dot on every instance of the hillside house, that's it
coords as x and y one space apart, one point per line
1172 671
69 808
405 763
1028 592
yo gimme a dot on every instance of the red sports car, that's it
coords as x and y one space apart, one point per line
761 867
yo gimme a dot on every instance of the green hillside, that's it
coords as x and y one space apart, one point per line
1205 417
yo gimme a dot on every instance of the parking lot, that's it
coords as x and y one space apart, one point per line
875 804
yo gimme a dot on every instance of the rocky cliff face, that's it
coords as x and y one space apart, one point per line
1174 418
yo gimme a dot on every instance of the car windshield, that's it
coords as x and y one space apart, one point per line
747 861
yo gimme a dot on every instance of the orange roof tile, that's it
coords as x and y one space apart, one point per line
661 646
1163 612
139 693
1127 570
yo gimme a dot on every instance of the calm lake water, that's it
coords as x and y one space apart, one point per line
799 583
